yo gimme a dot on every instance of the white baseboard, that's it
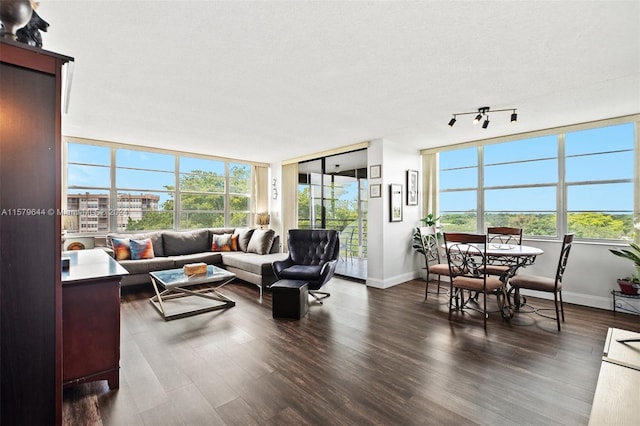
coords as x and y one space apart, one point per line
390 282
587 300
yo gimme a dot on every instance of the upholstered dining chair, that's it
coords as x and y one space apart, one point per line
428 245
545 284
467 258
313 256
502 235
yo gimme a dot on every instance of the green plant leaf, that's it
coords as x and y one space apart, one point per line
632 255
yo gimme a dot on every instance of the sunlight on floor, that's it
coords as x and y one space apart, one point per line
352 268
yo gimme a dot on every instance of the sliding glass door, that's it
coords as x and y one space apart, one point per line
332 194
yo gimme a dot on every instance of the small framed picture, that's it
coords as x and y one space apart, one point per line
395 202
375 172
412 187
374 191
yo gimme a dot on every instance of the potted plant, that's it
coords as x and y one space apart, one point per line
631 284
430 220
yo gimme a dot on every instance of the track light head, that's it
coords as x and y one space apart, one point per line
452 121
514 116
477 119
486 123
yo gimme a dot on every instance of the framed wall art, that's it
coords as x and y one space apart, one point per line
375 172
374 191
412 187
395 202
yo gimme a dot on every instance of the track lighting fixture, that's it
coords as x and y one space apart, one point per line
483 113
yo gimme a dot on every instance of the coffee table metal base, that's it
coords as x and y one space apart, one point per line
216 300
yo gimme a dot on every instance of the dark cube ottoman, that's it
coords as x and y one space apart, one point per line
290 299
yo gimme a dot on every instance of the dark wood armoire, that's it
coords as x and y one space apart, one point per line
30 201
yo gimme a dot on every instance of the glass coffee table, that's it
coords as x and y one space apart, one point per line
177 301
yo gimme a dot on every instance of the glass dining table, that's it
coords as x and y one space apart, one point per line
513 256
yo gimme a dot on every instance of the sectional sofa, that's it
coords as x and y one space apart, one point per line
247 252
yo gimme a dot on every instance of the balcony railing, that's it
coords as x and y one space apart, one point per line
350 244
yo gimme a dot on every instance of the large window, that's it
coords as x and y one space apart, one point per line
202 192
520 185
239 194
579 181
115 188
599 182
145 183
88 189
458 190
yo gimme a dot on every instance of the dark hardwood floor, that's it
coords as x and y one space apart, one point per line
367 356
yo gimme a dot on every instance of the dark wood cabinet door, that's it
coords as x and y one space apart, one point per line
91 330
30 283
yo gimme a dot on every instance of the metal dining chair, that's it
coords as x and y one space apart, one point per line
427 244
502 235
467 258
545 284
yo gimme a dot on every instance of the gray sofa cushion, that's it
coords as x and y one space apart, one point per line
261 241
259 264
145 266
210 258
220 231
186 242
244 236
154 236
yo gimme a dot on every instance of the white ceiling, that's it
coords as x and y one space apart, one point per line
270 81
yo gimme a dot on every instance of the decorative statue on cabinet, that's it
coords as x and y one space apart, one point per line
30 33
19 21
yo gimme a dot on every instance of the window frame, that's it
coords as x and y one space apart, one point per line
113 190
562 186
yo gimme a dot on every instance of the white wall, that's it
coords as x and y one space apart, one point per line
590 275
275 205
391 259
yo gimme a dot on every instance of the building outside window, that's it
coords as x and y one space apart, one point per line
144 175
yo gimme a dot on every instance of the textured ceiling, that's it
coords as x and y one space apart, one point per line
270 81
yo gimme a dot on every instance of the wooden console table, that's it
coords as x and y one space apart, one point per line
616 398
91 318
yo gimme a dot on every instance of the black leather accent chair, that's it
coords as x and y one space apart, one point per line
313 256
